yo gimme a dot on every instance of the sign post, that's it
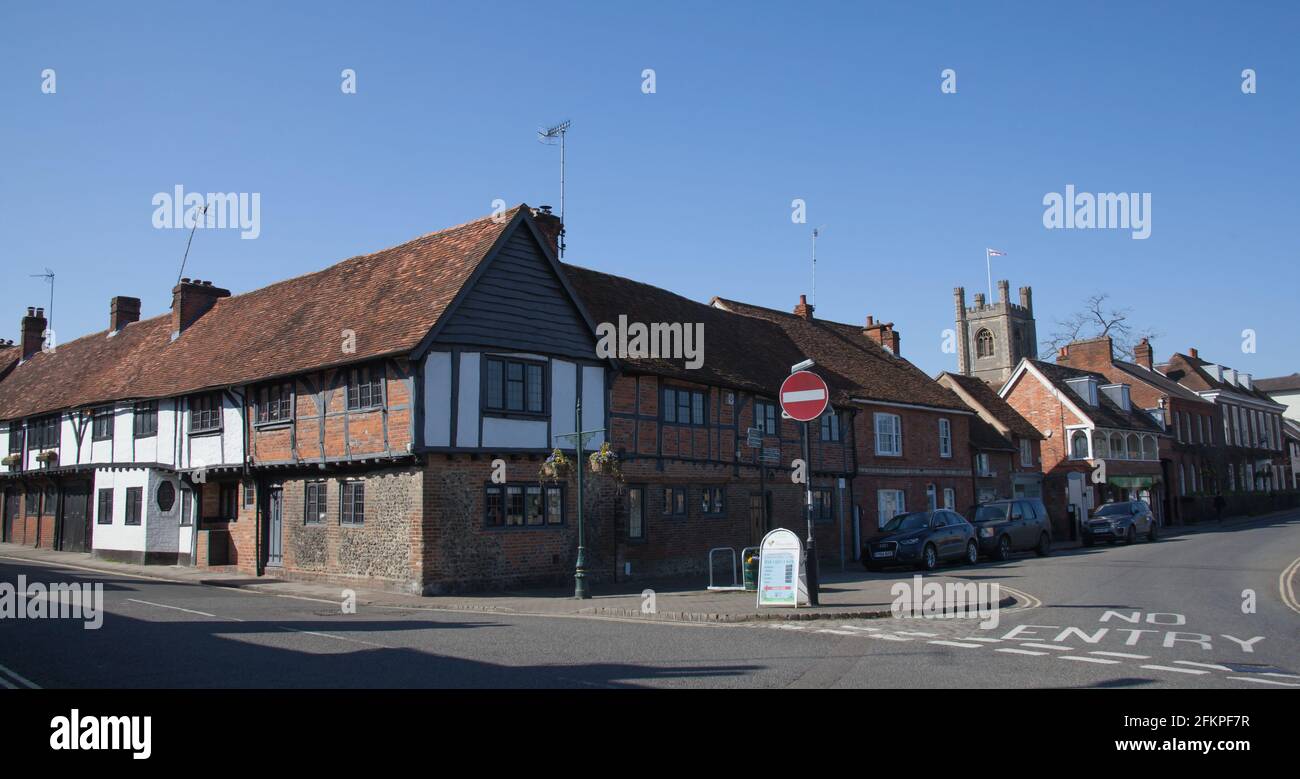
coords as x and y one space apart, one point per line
804 397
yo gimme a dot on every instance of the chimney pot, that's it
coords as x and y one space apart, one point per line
33 331
550 226
803 309
1192 352
191 300
122 311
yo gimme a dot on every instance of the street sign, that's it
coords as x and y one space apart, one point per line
804 396
754 438
771 455
779 576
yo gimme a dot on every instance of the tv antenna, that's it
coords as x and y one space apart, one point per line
202 212
48 275
547 136
817 231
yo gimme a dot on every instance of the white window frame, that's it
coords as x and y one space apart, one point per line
897 497
945 437
949 498
894 437
1026 453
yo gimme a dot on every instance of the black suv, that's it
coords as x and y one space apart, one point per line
1012 525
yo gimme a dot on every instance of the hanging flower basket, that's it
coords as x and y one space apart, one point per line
48 456
605 462
556 467
11 460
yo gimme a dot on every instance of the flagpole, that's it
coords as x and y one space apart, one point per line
988 267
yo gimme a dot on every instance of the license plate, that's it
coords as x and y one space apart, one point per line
882 554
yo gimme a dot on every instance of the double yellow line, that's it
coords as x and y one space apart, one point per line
1286 588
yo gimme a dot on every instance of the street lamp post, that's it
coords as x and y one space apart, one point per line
580 437
811 567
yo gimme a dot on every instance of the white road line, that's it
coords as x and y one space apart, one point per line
177 608
915 633
1175 670
838 632
957 643
1275 673
17 677
985 640
1263 681
1029 600
337 638
1284 586
1125 655
1211 666
1018 651
858 627
1082 659
1050 646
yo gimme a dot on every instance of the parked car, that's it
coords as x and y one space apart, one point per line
923 539
1014 525
1126 519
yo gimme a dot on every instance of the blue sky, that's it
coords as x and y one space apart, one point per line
690 187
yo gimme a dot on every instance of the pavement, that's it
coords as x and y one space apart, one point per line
1209 609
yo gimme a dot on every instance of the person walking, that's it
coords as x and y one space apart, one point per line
1219 503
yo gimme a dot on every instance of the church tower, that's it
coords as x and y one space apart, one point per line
992 337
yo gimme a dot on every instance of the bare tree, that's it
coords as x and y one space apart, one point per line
1095 319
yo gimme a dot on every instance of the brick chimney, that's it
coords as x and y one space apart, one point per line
122 311
33 330
1093 354
882 333
550 226
803 309
191 300
1142 354
1195 355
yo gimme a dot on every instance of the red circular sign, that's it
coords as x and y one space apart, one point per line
804 396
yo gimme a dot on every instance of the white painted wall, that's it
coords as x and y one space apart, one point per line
118 535
437 399
468 404
593 401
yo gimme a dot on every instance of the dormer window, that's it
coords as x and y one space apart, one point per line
1085 387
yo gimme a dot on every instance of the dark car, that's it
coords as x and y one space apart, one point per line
1014 525
923 539
1126 519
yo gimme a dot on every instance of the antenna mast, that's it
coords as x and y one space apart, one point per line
816 232
547 136
48 275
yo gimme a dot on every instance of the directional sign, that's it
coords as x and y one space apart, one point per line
804 396
754 438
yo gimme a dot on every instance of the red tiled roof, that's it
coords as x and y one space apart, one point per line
1279 383
390 299
999 409
847 358
1191 373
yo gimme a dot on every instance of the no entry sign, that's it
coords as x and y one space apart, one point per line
804 396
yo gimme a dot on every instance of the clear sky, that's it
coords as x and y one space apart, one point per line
690 187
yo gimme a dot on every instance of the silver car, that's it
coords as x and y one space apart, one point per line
1126 519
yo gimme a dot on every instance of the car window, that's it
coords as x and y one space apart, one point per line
1016 511
917 520
1027 509
939 519
1112 509
995 512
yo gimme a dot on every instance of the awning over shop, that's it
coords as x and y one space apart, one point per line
1133 482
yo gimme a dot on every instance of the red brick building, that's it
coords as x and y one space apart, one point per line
1098 445
383 421
1007 448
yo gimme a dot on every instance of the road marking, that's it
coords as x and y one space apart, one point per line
1018 651
187 611
858 627
915 633
1285 587
1211 666
985 640
1175 670
1081 659
1125 655
17 677
1030 601
1275 673
337 638
1050 646
1263 681
838 632
956 643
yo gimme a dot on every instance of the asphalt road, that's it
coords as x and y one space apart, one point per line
1166 614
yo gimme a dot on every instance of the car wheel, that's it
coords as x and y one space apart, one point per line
1132 535
929 558
1004 549
1044 545
972 553
1152 533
